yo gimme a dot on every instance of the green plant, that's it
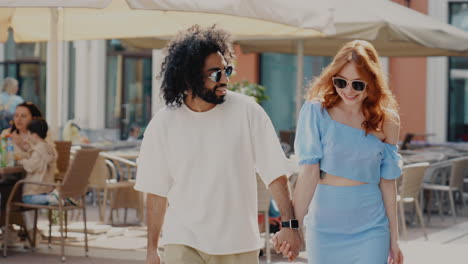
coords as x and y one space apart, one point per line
254 90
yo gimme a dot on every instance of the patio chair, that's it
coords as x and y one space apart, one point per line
437 173
408 192
104 179
74 185
63 158
125 197
263 203
452 185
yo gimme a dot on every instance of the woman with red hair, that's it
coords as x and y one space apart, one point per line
346 143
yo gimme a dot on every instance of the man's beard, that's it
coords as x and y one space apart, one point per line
209 95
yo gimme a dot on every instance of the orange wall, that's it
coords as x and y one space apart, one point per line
407 77
246 66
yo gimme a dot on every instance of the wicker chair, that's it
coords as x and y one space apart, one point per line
74 185
453 184
104 178
63 159
411 181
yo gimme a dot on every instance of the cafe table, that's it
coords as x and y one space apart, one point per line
8 177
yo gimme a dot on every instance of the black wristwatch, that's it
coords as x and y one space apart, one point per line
293 223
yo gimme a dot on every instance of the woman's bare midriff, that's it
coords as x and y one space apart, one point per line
339 181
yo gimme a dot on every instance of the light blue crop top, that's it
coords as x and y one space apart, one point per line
343 150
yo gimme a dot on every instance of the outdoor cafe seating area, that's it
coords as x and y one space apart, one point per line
433 184
107 185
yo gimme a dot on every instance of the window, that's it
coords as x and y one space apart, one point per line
128 87
458 80
278 75
26 63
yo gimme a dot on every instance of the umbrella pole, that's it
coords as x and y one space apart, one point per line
52 112
299 76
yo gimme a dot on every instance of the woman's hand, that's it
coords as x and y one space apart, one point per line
20 142
284 247
396 256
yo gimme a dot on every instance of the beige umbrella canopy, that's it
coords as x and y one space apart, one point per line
393 29
117 19
279 11
58 20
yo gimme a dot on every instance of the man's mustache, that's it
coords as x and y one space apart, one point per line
221 85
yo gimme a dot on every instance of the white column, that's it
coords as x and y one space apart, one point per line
97 84
82 104
437 83
156 101
53 65
385 63
65 90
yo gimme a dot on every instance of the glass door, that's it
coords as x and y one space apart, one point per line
458 81
136 95
129 84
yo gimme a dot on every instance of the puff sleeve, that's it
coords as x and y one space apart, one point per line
392 164
308 145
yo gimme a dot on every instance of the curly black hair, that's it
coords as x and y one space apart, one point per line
182 69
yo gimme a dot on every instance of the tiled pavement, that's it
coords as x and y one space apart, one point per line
448 243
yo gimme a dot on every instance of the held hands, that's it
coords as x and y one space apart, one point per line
288 242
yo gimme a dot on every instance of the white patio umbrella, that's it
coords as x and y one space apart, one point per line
393 29
103 19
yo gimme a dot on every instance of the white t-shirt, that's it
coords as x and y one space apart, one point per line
205 164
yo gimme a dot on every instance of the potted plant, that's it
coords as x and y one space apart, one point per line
254 90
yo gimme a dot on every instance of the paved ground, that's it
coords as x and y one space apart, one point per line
448 243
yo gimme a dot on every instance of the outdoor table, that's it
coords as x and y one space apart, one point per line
131 154
422 156
10 170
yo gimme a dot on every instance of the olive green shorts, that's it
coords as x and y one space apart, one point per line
181 254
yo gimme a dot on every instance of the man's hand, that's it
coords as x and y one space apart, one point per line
152 257
288 242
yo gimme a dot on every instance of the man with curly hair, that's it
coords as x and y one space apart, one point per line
199 158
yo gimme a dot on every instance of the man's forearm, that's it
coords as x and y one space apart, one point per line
156 209
280 191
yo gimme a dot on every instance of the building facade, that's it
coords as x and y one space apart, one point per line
108 87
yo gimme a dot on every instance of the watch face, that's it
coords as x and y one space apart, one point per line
294 224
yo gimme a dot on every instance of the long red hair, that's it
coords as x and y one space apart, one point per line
379 104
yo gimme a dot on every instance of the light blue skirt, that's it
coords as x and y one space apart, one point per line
347 225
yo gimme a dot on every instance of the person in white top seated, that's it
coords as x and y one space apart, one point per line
8 102
199 157
134 133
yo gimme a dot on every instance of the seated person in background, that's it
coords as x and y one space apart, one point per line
8 102
134 133
40 166
24 114
72 132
